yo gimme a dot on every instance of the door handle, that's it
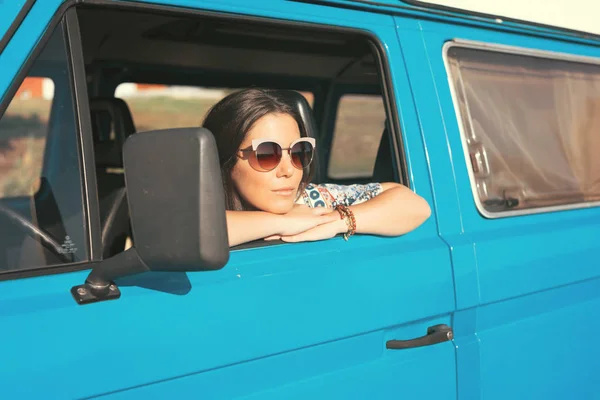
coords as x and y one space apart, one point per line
435 334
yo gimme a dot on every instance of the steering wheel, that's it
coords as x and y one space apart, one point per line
43 237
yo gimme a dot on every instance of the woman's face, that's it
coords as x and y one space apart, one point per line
272 191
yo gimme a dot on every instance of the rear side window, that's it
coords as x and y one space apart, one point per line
530 128
41 198
358 129
167 106
163 106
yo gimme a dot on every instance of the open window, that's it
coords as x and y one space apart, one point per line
149 70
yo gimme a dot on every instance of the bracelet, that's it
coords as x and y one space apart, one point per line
348 216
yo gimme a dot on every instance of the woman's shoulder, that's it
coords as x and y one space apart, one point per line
329 195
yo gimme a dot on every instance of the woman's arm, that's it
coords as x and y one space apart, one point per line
395 211
246 226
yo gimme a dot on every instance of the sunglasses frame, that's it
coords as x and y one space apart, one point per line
257 142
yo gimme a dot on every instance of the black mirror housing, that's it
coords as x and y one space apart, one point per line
177 210
176 199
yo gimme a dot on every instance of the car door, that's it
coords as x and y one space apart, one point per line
307 320
532 271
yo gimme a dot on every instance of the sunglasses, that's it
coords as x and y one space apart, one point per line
266 154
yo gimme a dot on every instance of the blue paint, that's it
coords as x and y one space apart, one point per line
8 13
522 294
537 275
24 39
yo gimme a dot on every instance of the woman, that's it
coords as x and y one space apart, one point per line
266 162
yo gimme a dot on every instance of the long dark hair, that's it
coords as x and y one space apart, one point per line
230 120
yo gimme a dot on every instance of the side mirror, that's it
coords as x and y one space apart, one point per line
176 206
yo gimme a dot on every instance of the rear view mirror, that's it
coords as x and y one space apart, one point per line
177 210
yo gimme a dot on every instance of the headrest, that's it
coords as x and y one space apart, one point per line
299 102
110 115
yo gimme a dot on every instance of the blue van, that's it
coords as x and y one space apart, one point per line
494 122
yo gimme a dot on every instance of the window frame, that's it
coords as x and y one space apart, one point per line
325 103
512 50
67 17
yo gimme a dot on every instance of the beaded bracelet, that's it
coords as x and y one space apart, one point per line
348 216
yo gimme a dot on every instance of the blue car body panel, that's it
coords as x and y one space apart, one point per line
311 320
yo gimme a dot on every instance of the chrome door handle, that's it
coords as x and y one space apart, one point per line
435 334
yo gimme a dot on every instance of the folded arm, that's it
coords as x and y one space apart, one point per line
246 226
395 211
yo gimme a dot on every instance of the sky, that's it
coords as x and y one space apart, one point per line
581 15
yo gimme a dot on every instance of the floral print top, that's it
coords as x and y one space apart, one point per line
330 195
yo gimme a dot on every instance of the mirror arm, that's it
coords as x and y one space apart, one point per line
99 285
123 264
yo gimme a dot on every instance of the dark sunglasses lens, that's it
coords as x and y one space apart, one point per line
268 155
302 154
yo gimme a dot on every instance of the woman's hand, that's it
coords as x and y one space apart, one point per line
303 221
320 232
246 226
303 218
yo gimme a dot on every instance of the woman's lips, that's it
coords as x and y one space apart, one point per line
284 192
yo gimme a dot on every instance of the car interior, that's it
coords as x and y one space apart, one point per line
209 51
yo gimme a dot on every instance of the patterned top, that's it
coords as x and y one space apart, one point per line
329 195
